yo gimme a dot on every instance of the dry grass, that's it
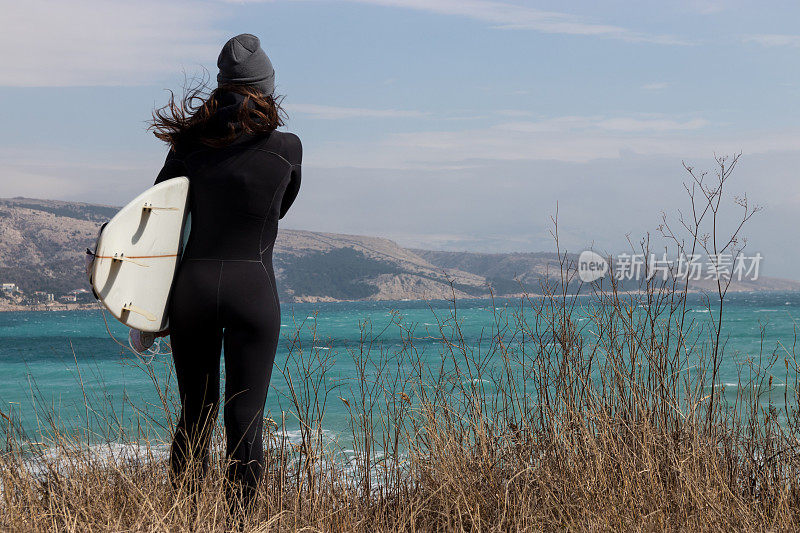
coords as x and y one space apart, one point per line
597 412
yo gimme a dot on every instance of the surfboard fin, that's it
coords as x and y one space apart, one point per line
139 311
151 207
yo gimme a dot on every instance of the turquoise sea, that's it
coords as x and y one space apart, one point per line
57 362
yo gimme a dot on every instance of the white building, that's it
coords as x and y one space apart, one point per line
43 297
9 288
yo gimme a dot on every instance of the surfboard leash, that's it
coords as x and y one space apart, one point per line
151 353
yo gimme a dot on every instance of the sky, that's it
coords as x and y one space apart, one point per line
442 124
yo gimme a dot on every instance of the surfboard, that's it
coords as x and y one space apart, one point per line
137 253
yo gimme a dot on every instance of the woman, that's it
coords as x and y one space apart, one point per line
244 176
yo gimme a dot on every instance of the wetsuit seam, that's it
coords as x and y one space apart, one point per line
263 224
271 286
221 260
267 247
266 218
272 153
219 284
261 236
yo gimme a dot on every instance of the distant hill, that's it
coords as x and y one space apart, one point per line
42 244
506 271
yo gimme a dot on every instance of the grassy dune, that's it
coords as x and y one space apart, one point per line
600 412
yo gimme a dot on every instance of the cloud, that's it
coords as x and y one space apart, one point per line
505 15
708 7
50 171
636 125
515 113
619 124
521 17
325 112
570 139
773 39
657 86
96 42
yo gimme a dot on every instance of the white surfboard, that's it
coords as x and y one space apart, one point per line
137 253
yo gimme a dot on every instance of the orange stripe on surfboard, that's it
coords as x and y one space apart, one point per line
133 256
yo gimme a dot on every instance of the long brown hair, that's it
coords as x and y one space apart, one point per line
192 118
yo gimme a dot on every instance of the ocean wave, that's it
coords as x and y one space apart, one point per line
60 458
44 458
746 386
295 436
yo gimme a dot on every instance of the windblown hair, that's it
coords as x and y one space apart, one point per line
192 118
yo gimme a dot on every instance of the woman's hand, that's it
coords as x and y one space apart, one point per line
88 263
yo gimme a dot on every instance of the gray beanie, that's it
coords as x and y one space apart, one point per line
243 62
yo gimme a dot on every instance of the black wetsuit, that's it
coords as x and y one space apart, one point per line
224 291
